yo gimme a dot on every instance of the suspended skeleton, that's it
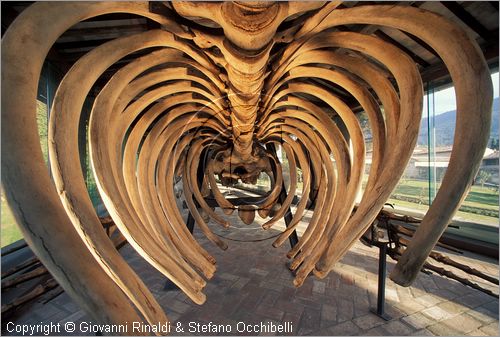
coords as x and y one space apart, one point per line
224 101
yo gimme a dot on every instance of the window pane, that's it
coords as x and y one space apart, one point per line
481 204
425 171
412 192
10 230
42 121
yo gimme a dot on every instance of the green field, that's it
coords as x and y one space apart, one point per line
480 205
10 232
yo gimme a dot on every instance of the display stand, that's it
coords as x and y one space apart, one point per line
382 269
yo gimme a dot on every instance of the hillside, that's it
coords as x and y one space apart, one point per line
445 126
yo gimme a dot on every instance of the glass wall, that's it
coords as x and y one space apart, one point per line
430 159
10 232
9 229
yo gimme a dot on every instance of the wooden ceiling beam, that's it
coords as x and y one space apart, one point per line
72 57
440 75
420 61
342 94
422 43
113 16
80 44
9 14
469 20
74 35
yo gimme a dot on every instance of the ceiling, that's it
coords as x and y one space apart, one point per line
479 19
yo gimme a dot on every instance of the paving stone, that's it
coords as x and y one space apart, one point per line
305 291
441 329
178 306
321 332
271 285
398 328
391 295
393 312
417 292
418 320
422 332
294 319
404 293
227 276
48 311
368 321
428 300
345 310
428 283
291 306
241 314
452 307
212 311
462 289
328 313
444 294
183 298
334 281
267 311
56 317
270 297
437 313
268 333
174 316
318 287
474 300
376 331
259 272
492 306
310 320
409 307
491 329
347 328
347 279
70 307
251 299
361 306
73 317
482 314
476 333
463 323
307 302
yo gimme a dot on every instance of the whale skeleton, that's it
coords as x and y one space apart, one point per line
219 103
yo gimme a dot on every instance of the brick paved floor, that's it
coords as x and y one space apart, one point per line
253 285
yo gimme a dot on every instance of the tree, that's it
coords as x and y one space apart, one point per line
494 144
483 176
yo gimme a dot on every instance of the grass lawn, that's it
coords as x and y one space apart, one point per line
478 197
465 216
9 230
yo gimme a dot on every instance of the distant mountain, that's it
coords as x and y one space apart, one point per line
445 126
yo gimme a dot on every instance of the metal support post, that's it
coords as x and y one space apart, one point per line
380 310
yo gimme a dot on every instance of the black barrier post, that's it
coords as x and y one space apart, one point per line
382 270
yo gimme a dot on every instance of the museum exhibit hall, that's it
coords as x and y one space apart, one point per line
195 168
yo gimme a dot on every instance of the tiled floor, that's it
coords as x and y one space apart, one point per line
252 285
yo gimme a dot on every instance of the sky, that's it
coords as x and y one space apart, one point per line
445 99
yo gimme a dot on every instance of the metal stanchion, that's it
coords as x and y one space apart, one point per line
380 310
